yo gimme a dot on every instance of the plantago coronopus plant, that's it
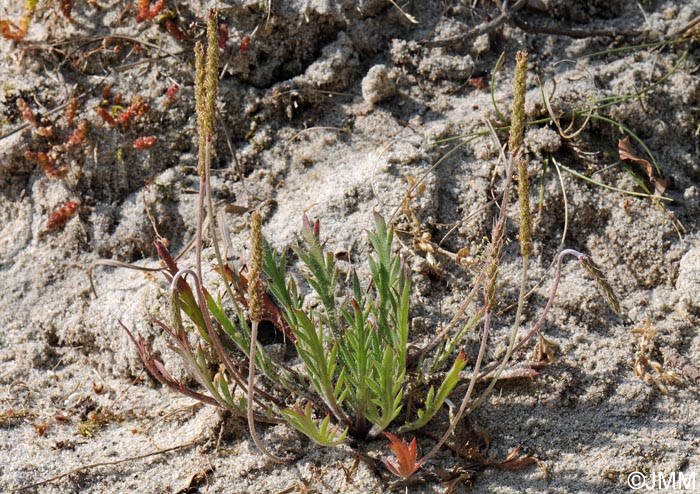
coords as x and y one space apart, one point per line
352 375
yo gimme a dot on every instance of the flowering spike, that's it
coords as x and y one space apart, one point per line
601 281
256 290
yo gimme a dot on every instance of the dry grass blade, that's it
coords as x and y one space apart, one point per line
564 133
408 16
116 264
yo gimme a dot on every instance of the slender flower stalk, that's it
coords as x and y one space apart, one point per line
514 144
205 95
470 389
495 249
517 123
256 293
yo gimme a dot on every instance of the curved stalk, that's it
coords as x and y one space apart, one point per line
540 321
511 344
470 389
249 407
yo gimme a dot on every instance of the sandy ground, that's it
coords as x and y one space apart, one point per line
331 107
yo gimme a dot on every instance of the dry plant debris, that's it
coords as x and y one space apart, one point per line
644 365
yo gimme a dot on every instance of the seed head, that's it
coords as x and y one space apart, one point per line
255 283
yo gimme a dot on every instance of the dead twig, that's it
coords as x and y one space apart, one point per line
510 14
485 28
559 30
102 464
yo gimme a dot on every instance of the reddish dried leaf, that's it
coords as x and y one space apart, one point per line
142 7
144 142
406 462
145 11
45 131
477 82
66 7
155 10
175 31
245 45
157 370
106 117
514 460
454 478
79 134
223 35
25 20
186 293
6 29
40 428
27 112
71 110
47 164
169 261
172 91
59 217
137 108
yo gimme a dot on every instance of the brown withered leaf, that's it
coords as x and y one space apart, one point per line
545 350
626 152
196 480
454 478
517 461
477 445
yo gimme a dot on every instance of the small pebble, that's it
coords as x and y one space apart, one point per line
377 85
